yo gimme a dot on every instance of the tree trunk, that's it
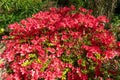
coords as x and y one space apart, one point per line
102 7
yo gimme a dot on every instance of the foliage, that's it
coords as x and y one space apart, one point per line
115 28
60 44
76 3
116 20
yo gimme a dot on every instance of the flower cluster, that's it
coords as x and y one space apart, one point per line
63 43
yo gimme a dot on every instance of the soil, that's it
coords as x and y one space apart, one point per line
2 48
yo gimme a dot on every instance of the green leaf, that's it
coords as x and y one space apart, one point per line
32 56
84 71
92 67
64 74
83 62
26 63
38 61
8 70
97 55
50 44
45 65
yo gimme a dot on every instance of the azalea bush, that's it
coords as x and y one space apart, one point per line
60 44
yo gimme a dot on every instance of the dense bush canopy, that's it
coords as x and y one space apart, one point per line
59 44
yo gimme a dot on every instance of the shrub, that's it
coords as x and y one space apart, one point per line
115 28
60 44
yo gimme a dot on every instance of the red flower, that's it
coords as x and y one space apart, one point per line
110 54
118 44
83 9
103 19
1 65
51 50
